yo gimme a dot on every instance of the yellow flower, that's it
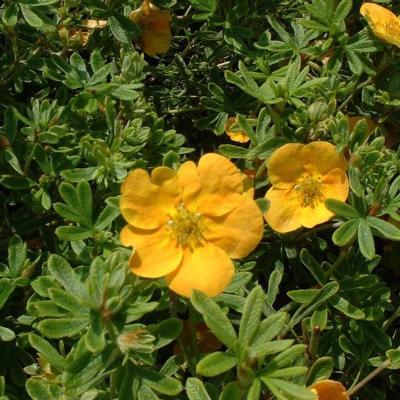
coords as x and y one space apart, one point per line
329 390
155 24
302 178
187 225
235 135
383 22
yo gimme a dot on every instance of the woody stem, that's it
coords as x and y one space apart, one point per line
372 375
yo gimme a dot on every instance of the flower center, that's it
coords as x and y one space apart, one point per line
309 190
186 227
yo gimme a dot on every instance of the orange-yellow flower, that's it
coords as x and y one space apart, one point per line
236 135
187 225
302 178
330 390
384 24
155 24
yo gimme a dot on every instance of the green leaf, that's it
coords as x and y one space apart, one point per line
354 182
119 30
329 290
144 393
282 388
313 266
341 209
195 390
345 233
232 151
387 229
251 315
73 233
10 119
289 356
289 372
166 331
65 275
16 182
320 370
6 288
254 391
109 213
269 329
94 339
158 382
346 308
273 286
47 351
216 364
231 391
38 389
215 319
16 255
365 239
61 327
31 17
6 334
84 196
79 174
10 15
99 76
268 348
342 11
303 296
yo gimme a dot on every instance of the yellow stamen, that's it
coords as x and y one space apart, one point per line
186 227
309 190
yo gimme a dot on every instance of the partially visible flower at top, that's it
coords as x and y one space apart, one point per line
187 225
236 135
155 24
302 178
329 390
384 24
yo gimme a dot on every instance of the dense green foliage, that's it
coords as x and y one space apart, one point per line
76 115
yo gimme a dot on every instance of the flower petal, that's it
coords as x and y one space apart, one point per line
190 180
146 204
237 232
330 390
314 215
284 166
335 185
154 43
221 185
206 268
284 212
384 24
155 253
236 135
321 157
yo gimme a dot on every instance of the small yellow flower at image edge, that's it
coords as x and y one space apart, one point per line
235 135
329 390
155 24
188 225
303 176
384 24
